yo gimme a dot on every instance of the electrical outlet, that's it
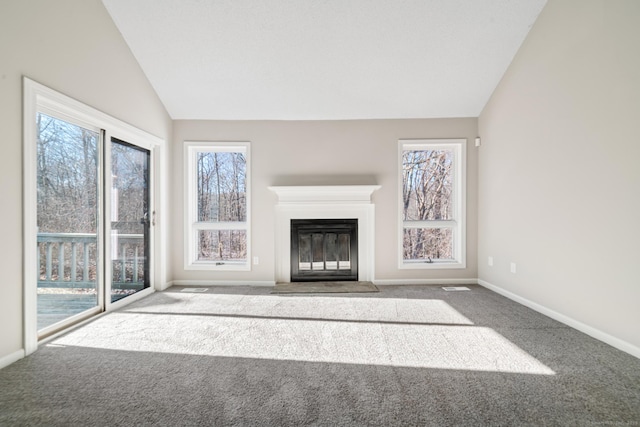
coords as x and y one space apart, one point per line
513 267
490 261
256 260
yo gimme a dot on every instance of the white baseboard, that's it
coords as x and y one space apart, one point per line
582 327
11 358
161 287
384 282
221 283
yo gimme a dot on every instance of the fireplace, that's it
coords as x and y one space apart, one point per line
324 250
327 202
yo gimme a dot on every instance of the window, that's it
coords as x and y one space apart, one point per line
431 203
217 217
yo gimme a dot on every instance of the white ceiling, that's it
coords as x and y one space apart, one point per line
324 59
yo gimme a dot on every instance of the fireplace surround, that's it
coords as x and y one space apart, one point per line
325 202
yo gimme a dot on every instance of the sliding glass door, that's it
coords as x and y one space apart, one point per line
130 219
74 247
88 218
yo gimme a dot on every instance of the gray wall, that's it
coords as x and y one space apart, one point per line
559 179
323 153
71 46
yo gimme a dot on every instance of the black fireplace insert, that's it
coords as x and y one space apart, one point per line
324 250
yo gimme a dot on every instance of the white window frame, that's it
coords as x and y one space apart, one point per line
459 214
192 226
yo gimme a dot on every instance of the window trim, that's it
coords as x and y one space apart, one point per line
191 224
458 223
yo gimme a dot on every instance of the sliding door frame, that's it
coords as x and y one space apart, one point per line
37 97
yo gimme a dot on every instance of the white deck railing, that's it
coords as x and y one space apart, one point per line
68 260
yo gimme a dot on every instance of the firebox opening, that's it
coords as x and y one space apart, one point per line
324 250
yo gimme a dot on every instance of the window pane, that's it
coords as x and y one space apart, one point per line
67 177
427 185
425 243
222 188
222 245
67 218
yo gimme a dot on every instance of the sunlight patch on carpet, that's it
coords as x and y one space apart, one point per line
468 348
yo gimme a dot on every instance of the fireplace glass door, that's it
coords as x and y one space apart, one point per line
324 250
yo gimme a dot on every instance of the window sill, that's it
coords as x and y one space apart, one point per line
218 266
435 265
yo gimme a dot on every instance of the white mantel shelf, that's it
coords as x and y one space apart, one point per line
324 193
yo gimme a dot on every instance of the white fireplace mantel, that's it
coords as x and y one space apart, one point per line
325 202
325 193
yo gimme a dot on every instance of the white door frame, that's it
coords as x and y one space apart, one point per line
41 98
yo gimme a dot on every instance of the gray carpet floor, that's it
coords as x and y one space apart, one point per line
408 355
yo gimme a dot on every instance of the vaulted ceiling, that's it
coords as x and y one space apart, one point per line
324 59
